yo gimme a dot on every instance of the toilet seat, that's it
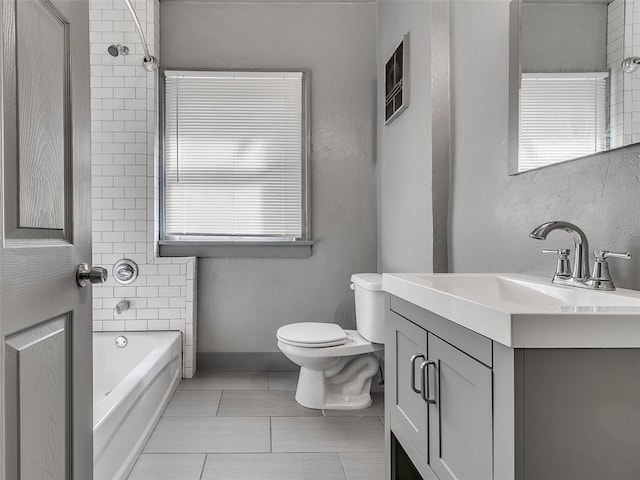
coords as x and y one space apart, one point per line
355 345
312 335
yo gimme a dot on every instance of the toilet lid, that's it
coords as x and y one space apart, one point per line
312 334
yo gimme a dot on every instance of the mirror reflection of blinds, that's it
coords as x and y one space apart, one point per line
233 154
562 116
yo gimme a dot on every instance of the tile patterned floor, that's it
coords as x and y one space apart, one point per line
248 426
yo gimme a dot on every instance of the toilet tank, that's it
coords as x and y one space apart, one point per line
370 305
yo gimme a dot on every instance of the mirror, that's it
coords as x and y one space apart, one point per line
570 96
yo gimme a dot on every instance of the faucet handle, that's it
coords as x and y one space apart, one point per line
563 268
600 277
561 252
602 255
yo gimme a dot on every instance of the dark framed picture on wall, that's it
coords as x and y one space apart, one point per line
396 83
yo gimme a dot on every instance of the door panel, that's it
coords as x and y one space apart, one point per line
39 143
45 221
36 363
42 40
461 435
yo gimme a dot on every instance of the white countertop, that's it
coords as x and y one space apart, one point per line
524 311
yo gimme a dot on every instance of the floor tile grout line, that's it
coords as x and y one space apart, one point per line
252 416
206 455
263 416
149 454
344 471
219 403
251 452
219 389
195 389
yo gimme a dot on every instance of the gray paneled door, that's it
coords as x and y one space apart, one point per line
45 232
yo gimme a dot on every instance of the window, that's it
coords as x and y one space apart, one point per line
562 116
235 157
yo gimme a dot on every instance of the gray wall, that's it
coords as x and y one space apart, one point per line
242 302
493 213
405 216
558 38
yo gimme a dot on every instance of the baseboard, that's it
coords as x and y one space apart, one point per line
245 361
258 362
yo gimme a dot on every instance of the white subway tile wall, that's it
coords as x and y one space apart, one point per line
623 40
615 51
632 81
125 182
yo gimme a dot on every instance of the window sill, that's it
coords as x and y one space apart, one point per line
173 248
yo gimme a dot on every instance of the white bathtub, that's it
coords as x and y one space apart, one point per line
131 387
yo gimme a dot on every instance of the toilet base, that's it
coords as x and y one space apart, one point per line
349 389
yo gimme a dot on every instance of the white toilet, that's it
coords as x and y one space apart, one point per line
336 365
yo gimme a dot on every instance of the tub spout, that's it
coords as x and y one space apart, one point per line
121 307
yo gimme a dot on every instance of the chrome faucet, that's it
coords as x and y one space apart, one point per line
581 244
599 279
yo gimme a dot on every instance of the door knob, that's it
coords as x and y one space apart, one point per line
86 275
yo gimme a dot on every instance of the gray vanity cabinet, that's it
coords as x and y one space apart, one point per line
502 413
448 435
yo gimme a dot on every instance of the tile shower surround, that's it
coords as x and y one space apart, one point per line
124 174
623 40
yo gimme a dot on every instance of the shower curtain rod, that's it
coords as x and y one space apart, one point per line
149 62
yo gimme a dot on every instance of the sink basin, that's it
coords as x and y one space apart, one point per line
523 310
526 293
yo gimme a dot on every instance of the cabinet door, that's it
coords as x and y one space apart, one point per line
408 411
461 434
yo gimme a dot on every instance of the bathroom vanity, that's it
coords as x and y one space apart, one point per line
509 377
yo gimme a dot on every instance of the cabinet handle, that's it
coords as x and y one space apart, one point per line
424 368
413 371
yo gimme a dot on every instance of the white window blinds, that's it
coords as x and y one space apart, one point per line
562 116
234 155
